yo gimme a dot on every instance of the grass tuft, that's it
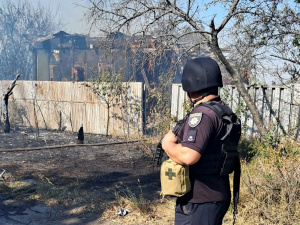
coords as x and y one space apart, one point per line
141 210
270 185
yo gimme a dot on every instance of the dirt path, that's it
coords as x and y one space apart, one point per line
70 185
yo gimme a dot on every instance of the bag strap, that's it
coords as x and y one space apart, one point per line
221 110
236 187
226 114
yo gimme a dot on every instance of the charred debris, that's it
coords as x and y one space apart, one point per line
74 57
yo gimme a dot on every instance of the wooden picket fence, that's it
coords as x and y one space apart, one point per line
65 105
279 107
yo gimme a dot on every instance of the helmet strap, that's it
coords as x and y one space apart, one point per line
193 102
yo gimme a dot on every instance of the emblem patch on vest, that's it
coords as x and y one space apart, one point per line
195 119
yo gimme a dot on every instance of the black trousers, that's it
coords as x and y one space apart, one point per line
210 213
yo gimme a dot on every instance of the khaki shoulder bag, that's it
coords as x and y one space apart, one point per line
174 179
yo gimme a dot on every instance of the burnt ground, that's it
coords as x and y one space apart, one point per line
70 185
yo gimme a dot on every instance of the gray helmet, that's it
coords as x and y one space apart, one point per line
201 73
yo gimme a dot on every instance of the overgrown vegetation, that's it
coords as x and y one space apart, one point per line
108 88
20 23
141 211
158 107
123 193
111 91
270 190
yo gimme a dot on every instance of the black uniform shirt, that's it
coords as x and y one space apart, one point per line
202 132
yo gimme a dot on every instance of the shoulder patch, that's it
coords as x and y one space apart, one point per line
195 119
191 135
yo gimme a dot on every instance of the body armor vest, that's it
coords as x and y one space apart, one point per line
227 160
223 162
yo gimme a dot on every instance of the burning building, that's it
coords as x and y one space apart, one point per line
66 57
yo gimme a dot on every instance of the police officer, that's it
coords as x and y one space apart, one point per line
209 198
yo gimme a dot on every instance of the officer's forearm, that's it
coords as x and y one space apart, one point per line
182 155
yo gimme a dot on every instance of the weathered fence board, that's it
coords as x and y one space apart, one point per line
275 106
235 98
177 103
279 107
296 111
285 110
65 105
267 104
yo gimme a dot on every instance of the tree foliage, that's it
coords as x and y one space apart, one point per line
265 40
243 39
109 88
20 23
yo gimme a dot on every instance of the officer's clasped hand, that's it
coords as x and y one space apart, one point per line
168 139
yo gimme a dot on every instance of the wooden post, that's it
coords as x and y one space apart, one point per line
80 139
6 126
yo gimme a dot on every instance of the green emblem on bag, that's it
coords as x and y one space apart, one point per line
170 174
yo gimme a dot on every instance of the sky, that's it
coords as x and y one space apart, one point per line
72 13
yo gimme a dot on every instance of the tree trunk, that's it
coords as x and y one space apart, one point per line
6 126
240 87
108 118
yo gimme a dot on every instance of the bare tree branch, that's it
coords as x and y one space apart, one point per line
287 59
229 15
6 126
256 32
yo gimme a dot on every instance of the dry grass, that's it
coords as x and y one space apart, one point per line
270 186
158 212
141 211
270 192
